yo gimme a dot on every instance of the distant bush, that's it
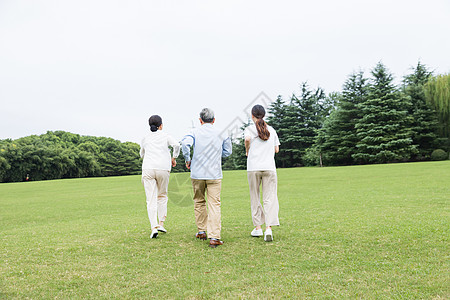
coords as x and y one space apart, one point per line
439 154
61 154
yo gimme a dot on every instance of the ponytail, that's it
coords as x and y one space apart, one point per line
263 131
261 126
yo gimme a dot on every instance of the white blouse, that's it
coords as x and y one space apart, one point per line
261 154
155 151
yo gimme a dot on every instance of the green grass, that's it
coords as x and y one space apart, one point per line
378 231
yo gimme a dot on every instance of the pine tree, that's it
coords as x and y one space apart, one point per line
276 117
338 137
424 123
305 115
383 132
297 123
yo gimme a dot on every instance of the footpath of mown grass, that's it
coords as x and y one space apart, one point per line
378 231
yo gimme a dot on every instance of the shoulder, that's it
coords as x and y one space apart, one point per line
271 129
170 138
163 134
250 130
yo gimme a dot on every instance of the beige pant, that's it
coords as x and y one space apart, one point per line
155 184
207 219
269 214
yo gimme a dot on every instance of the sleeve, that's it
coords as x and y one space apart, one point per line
247 132
175 145
227 147
276 140
142 151
186 144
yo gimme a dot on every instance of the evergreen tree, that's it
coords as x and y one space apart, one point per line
383 132
297 123
276 117
304 116
237 160
424 123
338 138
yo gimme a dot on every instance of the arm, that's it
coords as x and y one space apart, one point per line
176 150
247 144
277 143
247 140
186 144
227 148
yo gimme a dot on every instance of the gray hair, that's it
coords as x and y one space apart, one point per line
207 115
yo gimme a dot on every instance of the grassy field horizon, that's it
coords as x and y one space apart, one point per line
374 231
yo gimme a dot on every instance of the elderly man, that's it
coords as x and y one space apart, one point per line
206 174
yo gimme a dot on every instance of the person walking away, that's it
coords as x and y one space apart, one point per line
156 168
206 174
261 144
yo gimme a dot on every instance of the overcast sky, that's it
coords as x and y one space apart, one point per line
102 68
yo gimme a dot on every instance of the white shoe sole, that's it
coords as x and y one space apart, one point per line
162 230
268 238
259 235
154 235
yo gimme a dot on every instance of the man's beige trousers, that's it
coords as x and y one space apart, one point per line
207 219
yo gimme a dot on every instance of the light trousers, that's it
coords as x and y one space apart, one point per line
155 184
207 219
268 214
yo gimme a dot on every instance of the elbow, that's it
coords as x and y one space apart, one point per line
226 153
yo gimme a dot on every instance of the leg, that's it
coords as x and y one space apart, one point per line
151 190
270 198
214 216
254 182
201 214
162 180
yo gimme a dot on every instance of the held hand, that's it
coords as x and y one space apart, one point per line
174 162
246 152
188 165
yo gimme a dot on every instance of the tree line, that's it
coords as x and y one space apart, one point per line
61 154
371 120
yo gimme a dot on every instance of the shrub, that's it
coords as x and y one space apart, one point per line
439 154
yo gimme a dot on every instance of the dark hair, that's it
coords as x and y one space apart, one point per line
259 112
155 121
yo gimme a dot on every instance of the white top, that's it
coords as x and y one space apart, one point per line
155 151
261 154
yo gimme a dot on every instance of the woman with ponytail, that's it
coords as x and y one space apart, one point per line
156 168
261 144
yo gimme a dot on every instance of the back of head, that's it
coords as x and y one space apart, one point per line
207 115
155 121
259 112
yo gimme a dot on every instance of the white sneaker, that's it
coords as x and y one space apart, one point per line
154 234
161 228
268 235
257 232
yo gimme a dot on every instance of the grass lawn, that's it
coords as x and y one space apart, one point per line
377 231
